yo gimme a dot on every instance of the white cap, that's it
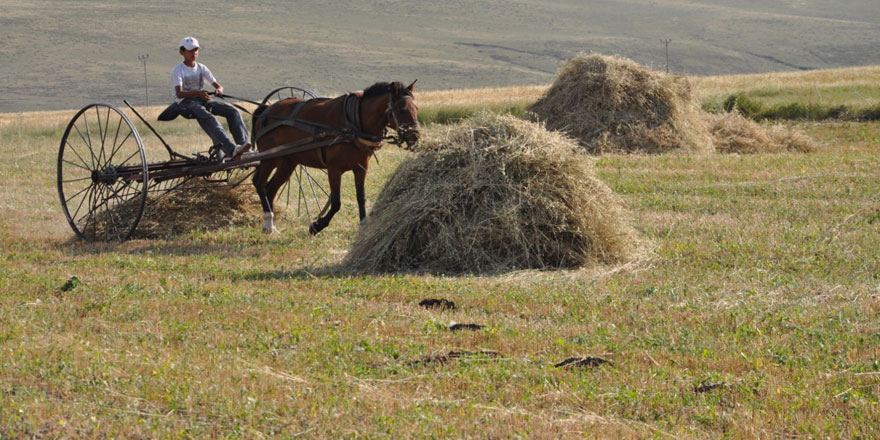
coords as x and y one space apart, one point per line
189 43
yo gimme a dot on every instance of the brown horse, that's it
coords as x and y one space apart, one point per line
339 135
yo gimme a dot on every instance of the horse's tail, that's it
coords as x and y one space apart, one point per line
256 116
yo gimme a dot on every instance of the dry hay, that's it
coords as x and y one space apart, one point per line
191 207
611 104
494 193
735 133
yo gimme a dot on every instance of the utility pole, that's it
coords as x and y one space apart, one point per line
666 42
143 59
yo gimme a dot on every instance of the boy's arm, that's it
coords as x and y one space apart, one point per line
203 94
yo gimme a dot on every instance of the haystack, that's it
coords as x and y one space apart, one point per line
493 193
735 133
192 207
612 104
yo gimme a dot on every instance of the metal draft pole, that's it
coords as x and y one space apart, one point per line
143 59
666 42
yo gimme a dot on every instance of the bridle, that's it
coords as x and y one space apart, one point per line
404 131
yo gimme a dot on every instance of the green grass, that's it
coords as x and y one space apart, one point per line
764 279
798 103
452 114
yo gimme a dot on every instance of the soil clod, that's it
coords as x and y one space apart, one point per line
456 327
705 387
582 362
432 303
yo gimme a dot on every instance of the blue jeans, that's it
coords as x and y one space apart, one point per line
204 112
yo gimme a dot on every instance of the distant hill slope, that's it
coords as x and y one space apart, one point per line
60 54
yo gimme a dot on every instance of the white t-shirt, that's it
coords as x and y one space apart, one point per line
190 78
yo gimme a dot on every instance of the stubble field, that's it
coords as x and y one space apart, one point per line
755 315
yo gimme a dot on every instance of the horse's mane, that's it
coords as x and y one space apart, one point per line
381 88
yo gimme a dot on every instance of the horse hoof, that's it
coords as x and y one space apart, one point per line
269 231
313 229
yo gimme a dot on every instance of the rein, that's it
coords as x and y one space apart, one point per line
224 96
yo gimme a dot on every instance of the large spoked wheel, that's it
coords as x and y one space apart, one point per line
308 193
102 174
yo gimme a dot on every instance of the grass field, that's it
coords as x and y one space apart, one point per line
755 316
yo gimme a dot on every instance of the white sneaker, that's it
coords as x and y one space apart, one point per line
240 149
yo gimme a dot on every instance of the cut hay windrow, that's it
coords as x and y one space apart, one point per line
493 193
192 207
735 133
611 104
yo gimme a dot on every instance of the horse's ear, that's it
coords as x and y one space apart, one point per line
412 86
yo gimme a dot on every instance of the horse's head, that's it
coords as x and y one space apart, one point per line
403 114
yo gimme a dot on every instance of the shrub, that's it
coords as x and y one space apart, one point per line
743 104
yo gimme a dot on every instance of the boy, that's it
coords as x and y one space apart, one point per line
188 78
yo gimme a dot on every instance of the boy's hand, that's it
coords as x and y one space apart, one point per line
218 90
203 94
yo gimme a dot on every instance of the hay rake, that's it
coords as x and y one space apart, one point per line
104 178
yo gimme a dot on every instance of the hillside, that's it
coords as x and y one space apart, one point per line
59 54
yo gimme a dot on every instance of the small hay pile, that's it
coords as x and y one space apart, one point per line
495 193
612 104
735 133
193 207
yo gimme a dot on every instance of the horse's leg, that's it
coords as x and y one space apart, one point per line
261 175
334 176
360 175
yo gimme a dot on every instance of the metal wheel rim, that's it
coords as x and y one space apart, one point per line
287 92
99 205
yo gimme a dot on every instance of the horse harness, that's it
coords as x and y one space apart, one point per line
322 135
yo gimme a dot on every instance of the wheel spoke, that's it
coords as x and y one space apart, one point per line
88 145
78 193
72 148
301 198
101 156
314 194
76 180
118 147
89 142
111 221
91 189
115 138
77 165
